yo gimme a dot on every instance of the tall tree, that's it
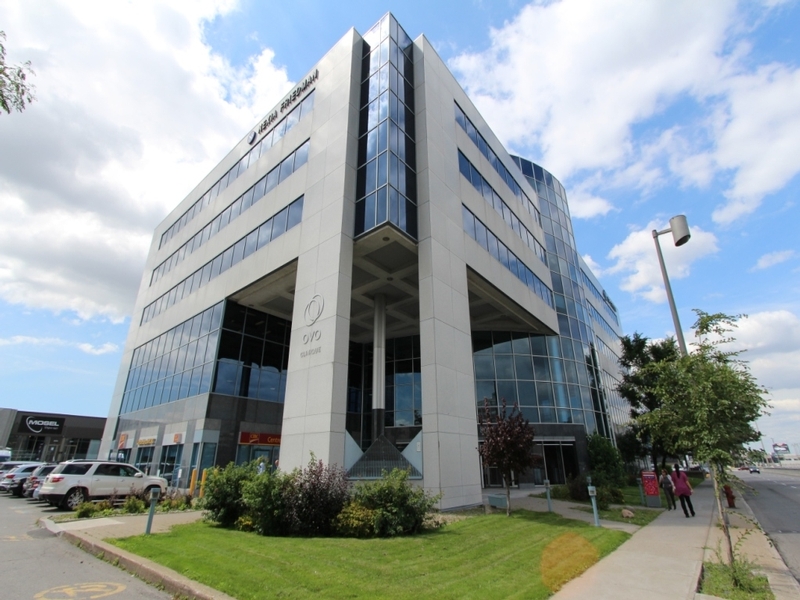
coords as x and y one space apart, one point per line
15 90
637 386
709 401
507 443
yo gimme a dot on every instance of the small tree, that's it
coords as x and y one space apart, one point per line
507 443
709 402
605 462
15 90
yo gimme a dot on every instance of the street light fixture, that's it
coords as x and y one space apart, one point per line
680 234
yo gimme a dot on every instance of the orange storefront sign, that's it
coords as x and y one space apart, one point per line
259 439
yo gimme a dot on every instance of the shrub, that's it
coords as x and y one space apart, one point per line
603 498
356 521
175 500
399 507
134 505
578 488
314 497
85 510
264 497
222 500
559 492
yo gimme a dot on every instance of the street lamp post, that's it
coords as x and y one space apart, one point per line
680 234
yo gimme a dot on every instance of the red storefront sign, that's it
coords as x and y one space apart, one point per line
650 483
259 439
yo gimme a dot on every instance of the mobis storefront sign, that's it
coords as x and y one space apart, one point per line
37 424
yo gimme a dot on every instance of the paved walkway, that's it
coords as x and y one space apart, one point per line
664 559
660 561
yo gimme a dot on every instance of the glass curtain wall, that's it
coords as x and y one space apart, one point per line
386 180
403 416
253 355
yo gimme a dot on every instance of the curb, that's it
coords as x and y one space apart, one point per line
146 570
781 581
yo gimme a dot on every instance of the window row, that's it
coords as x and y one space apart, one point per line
497 164
385 106
530 368
539 402
263 186
255 323
472 175
502 343
601 296
255 240
185 358
541 176
604 325
272 137
387 27
489 242
184 385
180 335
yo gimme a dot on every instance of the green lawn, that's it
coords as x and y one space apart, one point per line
641 516
527 556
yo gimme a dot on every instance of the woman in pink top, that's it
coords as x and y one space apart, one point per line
683 490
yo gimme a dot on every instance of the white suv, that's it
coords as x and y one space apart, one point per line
72 483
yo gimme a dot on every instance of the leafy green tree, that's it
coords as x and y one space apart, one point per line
709 401
507 443
638 384
15 90
630 445
605 462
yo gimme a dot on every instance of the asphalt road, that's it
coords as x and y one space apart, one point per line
38 565
775 501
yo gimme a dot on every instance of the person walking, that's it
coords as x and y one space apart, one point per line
684 490
666 484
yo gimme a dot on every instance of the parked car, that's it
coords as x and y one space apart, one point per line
36 479
744 468
754 469
13 480
5 467
72 483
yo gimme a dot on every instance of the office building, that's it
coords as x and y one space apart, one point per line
354 277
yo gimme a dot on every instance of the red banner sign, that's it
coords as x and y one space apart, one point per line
259 439
650 483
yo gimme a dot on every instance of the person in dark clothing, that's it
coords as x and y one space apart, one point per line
684 490
666 484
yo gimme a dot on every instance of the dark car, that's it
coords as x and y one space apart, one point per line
754 469
35 480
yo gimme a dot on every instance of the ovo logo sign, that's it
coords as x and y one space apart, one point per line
312 313
314 309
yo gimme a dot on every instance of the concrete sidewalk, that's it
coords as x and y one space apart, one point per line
664 560
660 561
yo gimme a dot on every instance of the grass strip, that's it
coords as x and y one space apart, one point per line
718 581
528 555
641 516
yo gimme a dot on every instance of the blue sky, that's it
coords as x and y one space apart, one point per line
642 110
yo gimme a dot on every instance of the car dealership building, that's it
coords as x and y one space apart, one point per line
357 275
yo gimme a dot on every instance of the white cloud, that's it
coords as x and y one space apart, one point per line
636 260
635 94
593 265
773 258
759 139
132 109
573 77
26 340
